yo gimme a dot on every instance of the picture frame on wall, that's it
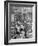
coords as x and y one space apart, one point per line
20 22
